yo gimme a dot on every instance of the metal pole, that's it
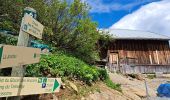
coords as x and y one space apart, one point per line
147 93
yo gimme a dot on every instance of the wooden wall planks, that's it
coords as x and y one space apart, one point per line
141 49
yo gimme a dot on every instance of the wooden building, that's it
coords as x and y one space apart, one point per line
138 52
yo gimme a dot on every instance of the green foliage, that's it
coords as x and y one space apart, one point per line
61 65
10 14
112 85
7 39
103 74
105 38
71 28
103 43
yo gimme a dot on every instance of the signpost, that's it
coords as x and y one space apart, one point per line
24 40
27 27
10 86
19 56
16 56
32 26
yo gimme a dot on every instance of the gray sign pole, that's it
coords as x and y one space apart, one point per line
147 93
23 40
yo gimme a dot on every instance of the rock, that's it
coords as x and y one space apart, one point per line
73 86
83 98
130 78
63 86
54 97
49 75
139 77
144 75
159 74
45 51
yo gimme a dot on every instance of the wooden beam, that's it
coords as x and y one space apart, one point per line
157 56
150 57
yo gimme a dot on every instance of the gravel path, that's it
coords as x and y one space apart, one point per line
132 89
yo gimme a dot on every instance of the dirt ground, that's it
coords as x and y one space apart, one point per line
132 89
106 93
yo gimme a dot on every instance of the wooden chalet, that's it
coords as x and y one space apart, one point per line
138 52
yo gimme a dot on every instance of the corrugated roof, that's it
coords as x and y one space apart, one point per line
136 35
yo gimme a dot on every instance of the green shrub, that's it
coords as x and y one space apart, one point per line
8 39
103 74
61 65
112 85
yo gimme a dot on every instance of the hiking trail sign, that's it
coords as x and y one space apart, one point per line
17 86
11 56
32 26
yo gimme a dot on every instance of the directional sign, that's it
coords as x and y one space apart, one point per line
17 86
32 26
16 55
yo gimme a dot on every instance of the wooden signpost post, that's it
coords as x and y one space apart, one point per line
23 40
10 86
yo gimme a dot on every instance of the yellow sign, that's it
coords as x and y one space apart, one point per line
11 56
17 86
32 26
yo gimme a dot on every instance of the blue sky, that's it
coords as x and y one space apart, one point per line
105 20
108 12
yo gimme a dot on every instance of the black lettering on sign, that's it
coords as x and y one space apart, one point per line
35 23
9 56
15 80
5 93
17 86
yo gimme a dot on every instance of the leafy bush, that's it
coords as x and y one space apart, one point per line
112 85
7 39
103 74
61 65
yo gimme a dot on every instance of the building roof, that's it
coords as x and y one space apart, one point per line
136 35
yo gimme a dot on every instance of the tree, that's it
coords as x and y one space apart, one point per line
10 14
67 25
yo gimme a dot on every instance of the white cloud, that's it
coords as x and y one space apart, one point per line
154 17
97 6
